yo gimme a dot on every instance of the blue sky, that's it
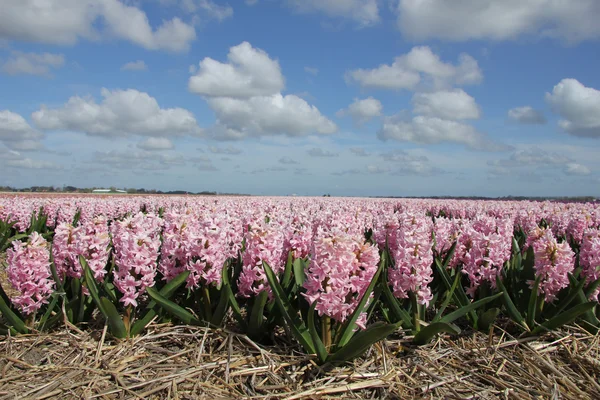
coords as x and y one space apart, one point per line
267 97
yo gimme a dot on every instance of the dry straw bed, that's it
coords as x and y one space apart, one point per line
185 362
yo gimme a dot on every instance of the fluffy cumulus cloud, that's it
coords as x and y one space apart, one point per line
526 115
267 115
579 107
432 130
155 143
569 21
121 112
250 72
32 63
65 22
362 110
448 104
245 95
17 134
419 67
138 65
362 12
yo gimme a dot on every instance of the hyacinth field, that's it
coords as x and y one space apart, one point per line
334 276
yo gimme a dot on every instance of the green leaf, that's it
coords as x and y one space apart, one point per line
426 334
299 273
116 325
449 255
467 309
166 291
565 318
512 311
184 315
222 307
591 288
399 313
449 294
44 319
287 272
576 287
295 324
257 315
91 285
533 300
349 326
10 316
319 346
488 318
362 341
460 297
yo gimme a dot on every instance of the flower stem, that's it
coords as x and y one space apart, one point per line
326 331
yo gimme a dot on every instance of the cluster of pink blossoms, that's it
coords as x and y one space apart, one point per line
29 273
298 237
483 247
553 262
341 268
264 242
589 258
136 241
208 250
176 234
412 271
90 239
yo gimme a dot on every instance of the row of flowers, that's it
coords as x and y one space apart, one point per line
325 269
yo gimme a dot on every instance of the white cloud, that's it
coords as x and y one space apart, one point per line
121 112
362 110
245 95
319 152
363 12
155 143
207 7
28 163
251 2
447 104
570 21
527 115
420 66
267 115
65 22
138 65
578 105
311 70
17 134
32 63
250 72
576 169
433 130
